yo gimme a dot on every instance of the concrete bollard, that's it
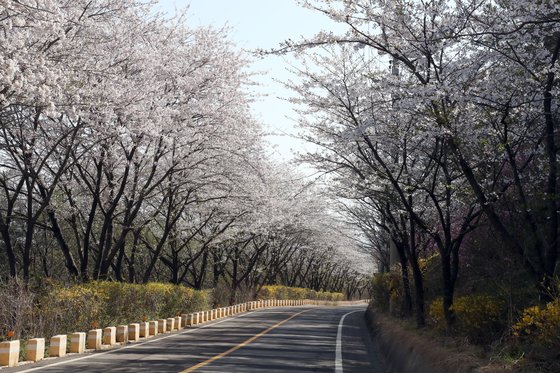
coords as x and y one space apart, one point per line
122 333
57 347
35 349
9 353
178 322
78 342
212 315
144 329
185 319
162 325
94 339
170 324
133 332
153 327
110 335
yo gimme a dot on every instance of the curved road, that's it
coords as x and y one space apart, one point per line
294 339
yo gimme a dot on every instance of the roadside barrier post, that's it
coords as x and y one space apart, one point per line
110 335
170 324
185 319
57 346
122 333
162 325
133 332
178 323
153 327
144 329
35 349
94 339
9 353
78 342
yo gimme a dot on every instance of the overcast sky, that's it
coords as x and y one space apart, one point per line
262 24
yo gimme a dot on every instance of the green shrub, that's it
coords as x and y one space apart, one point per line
386 289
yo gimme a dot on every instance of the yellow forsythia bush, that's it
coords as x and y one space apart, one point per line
102 303
286 292
478 317
541 325
386 288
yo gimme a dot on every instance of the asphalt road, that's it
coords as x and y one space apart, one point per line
294 339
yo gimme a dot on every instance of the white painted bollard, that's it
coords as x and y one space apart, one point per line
153 327
35 349
78 342
122 333
94 339
212 314
133 332
110 336
178 323
162 325
57 346
9 353
144 329
185 319
170 324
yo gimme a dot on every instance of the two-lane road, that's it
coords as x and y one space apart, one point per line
295 339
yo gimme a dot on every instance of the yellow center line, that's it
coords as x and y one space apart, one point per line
214 358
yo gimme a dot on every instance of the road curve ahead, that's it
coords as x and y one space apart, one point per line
294 339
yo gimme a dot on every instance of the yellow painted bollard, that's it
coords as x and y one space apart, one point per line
94 339
122 333
170 324
153 327
35 349
9 353
133 332
162 325
57 346
110 335
78 342
178 322
144 329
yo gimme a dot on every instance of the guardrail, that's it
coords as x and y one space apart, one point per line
101 339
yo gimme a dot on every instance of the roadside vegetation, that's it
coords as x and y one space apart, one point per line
436 123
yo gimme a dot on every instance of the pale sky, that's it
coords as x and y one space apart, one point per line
262 24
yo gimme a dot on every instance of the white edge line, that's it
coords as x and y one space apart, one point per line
338 354
95 354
